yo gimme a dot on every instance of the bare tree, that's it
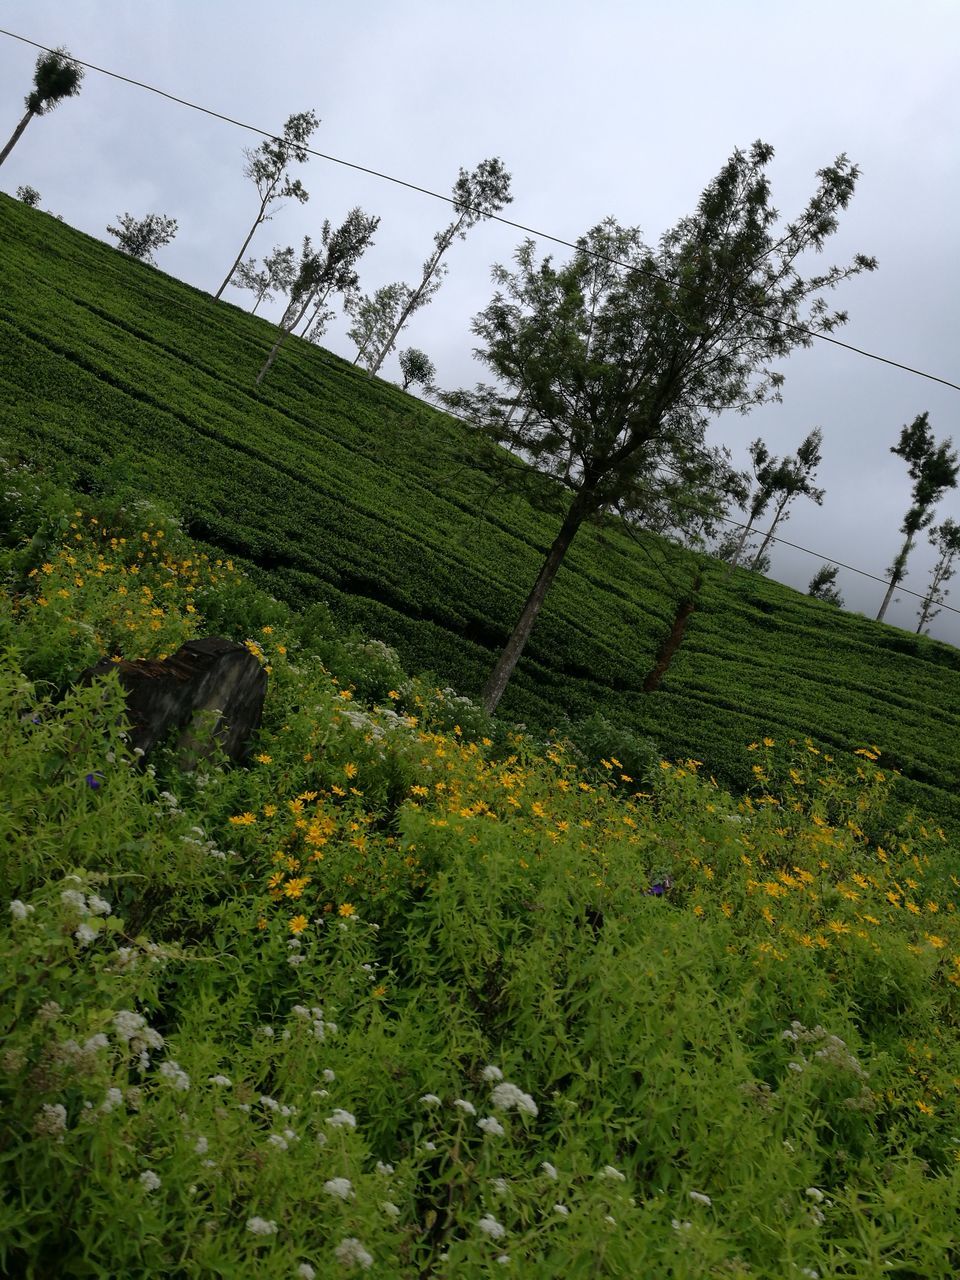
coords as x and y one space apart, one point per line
266 168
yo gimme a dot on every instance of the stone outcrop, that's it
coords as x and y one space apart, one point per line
209 683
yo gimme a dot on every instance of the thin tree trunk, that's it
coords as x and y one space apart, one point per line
316 311
933 595
16 135
739 549
500 676
770 532
894 581
896 576
282 336
414 299
243 248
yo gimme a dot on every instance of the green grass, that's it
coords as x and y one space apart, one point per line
752 1075
331 487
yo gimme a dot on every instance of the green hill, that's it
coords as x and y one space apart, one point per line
334 488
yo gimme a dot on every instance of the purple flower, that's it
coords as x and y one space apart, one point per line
660 887
93 781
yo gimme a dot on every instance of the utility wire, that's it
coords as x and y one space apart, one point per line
436 195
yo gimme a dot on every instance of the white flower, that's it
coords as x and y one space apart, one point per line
113 1099
267 1031
305 1271
491 1072
201 1146
794 1066
429 1146
466 1106
680 1226
342 1119
85 934
549 1169
810 1273
385 1169
126 1024
504 1259
500 1185
815 1194
20 910
261 1227
51 1120
612 1174
149 1180
276 1140
506 1097
329 1075
430 1100
350 1251
491 1125
98 906
173 1072
98 1041
266 1101
610 1220
73 898
342 1188
699 1198
244 1106
562 1210
491 1227
290 1135
224 1081
390 1209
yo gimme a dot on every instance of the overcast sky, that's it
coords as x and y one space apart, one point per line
608 107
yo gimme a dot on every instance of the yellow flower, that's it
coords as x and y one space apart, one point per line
379 992
298 924
267 631
263 758
269 810
768 742
392 693
419 791
295 888
243 820
262 922
345 694
346 909
837 926
922 1106
350 770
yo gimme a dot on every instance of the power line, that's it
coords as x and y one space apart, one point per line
436 195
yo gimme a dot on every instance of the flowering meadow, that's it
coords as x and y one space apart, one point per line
410 994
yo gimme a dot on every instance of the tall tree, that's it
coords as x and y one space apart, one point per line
765 468
322 272
55 77
619 357
476 196
933 469
791 480
946 539
266 168
278 272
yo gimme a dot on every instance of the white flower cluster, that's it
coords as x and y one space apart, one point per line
351 1253
341 1188
89 906
491 1227
314 1016
261 1226
828 1049
342 1119
507 1097
173 1072
20 910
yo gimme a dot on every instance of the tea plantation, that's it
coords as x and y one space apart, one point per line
333 488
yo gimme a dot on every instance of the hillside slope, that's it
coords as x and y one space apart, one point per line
335 488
